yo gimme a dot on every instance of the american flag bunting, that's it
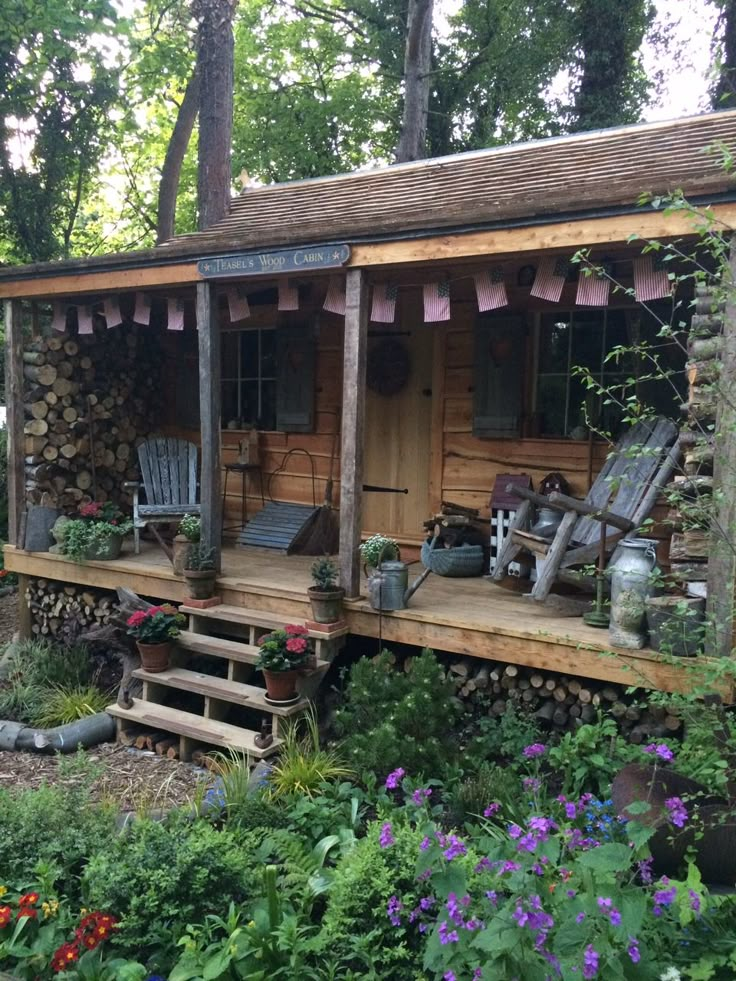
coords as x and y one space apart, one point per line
335 299
288 295
550 278
142 312
112 312
58 317
490 290
84 320
174 314
383 307
237 305
436 301
651 281
593 289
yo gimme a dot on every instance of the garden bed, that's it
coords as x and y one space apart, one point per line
130 779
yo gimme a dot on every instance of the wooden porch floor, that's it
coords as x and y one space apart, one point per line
464 616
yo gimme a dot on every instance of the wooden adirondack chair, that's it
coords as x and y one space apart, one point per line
169 472
621 498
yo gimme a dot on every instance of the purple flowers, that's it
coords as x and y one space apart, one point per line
491 809
677 811
633 950
447 936
386 838
590 962
393 780
393 908
420 795
533 751
661 750
664 897
454 849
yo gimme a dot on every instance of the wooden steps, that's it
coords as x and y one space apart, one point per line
193 729
255 618
220 689
231 650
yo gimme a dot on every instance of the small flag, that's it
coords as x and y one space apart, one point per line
112 311
436 301
142 312
84 320
383 307
58 319
237 305
490 290
175 314
593 289
335 299
550 278
288 295
651 281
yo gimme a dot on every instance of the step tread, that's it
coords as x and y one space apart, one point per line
254 618
233 650
249 696
161 717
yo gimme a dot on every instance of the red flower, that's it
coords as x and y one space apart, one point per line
135 619
66 954
296 645
30 899
292 628
90 510
3 572
90 941
27 911
6 915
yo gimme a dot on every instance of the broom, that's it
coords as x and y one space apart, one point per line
322 536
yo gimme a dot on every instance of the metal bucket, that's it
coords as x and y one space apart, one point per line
387 586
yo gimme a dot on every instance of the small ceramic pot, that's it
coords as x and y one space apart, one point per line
281 685
326 604
154 657
201 582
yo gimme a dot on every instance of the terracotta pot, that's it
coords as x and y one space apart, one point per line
201 582
154 657
326 604
179 552
281 685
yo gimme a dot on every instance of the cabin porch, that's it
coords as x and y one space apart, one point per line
467 616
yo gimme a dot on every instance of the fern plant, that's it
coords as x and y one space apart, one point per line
303 764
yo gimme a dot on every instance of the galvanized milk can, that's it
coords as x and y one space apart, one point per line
631 584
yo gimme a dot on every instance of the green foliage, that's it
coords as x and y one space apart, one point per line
491 783
324 574
156 625
504 735
34 668
160 876
303 765
590 757
80 538
377 549
191 527
62 705
391 718
55 825
200 557
284 650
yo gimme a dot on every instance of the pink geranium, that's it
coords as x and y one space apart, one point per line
296 645
292 628
136 618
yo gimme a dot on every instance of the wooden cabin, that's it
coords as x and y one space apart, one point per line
281 319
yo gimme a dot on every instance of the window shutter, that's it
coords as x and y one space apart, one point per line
295 351
498 377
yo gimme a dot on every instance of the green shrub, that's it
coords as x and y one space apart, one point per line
392 718
38 662
58 825
355 925
63 705
157 877
489 784
506 735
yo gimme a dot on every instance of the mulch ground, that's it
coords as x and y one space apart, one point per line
133 780
8 618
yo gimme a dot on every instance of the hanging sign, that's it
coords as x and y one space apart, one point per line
268 263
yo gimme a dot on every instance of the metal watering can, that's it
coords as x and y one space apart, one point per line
388 586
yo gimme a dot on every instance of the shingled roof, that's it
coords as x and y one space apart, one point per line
572 174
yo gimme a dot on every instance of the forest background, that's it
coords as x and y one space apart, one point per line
101 102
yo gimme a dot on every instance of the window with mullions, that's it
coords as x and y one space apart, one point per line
249 377
585 338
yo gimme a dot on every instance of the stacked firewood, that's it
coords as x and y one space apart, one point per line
559 702
88 402
54 604
457 525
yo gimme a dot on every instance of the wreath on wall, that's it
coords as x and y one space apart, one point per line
388 367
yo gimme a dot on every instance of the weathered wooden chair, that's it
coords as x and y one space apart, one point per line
169 473
621 498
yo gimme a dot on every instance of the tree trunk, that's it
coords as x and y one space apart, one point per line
417 67
215 46
724 93
171 170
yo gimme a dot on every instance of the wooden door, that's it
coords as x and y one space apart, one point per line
397 438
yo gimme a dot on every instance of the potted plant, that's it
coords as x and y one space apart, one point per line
200 572
188 533
97 532
154 630
325 596
283 654
377 549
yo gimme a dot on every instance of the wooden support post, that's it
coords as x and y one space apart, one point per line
14 402
353 427
208 325
722 559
